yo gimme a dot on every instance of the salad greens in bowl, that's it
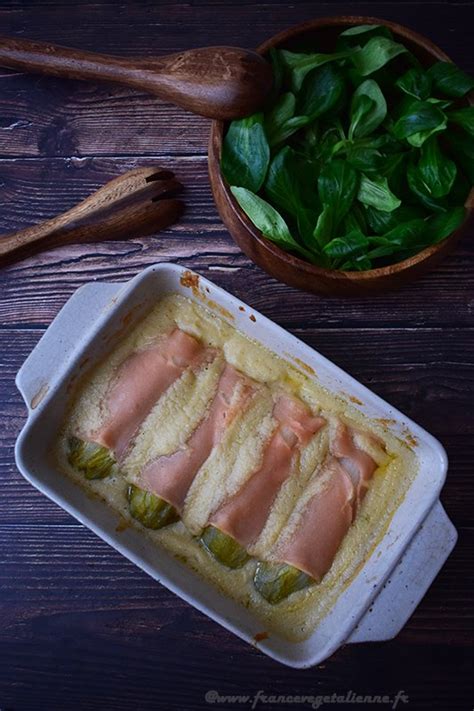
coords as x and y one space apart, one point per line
363 158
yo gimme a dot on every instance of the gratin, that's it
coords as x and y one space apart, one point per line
263 482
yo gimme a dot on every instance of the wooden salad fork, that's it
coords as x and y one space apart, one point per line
135 204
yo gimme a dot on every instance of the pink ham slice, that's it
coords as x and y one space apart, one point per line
359 465
244 515
171 476
327 518
140 381
324 523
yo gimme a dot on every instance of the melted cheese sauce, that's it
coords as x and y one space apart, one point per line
237 455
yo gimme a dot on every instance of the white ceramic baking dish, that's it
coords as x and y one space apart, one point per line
393 580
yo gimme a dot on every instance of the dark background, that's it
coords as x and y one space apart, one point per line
81 627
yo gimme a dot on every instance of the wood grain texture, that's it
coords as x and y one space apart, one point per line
113 582
136 203
161 27
47 116
32 291
115 619
221 83
80 627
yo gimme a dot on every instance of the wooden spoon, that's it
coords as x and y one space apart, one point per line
218 82
133 205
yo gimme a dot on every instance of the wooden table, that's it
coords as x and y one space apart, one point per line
80 627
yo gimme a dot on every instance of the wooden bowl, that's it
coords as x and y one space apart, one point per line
291 269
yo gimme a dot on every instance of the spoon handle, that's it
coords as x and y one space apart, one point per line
134 204
70 63
217 82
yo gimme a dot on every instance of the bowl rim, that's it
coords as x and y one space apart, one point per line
217 134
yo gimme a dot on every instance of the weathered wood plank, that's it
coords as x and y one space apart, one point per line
220 4
46 116
86 565
166 26
162 27
133 671
427 373
93 610
43 116
36 189
96 674
32 291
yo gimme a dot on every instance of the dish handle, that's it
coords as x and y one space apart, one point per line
409 580
60 341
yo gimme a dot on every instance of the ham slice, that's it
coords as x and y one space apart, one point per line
359 465
329 513
171 476
140 381
244 515
324 523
